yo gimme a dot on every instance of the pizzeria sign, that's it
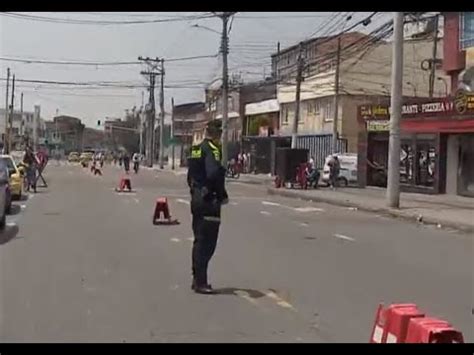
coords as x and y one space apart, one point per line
462 103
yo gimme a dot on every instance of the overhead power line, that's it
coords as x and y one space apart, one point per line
100 22
55 62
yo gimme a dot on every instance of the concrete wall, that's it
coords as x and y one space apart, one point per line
371 74
452 165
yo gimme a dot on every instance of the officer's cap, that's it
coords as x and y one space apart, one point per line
214 125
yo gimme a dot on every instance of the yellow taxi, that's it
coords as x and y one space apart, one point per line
73 157
86 156
16 179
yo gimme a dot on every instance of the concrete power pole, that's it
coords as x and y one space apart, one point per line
393 183
225 86
7 112
162 109
336 99
299 78
172 133
433 60
151 112
10 119
22 124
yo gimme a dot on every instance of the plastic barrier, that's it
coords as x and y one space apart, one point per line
405 323
162 207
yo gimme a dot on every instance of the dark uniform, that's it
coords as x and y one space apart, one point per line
206 180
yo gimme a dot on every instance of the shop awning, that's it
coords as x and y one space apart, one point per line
443 126
267 106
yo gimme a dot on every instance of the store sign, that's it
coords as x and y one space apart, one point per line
378 125
462 103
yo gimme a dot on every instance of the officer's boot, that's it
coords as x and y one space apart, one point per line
200 285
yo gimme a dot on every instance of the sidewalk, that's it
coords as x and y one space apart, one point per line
447 211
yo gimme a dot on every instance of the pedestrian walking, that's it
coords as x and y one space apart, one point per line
334 168
31 163
206 180
126 162
136 162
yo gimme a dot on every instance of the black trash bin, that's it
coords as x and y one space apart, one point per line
287 161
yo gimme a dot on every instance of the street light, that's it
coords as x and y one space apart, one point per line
206 28
445 85
413 86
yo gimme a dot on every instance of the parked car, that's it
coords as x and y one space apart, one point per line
73 157
4 192
16 176
347 171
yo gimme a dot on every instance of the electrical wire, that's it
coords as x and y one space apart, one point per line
95 22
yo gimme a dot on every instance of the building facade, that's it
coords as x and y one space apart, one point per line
429 162
364 77
459 65
259 109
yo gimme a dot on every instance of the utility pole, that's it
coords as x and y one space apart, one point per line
299 78
22 127
151 112
433 59
225 86
393 183
7 112
10 119
172 133
162 109
336 98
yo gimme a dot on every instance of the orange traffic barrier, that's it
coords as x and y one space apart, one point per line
405 323
125 183
162 207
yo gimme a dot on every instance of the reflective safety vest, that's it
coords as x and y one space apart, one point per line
196 162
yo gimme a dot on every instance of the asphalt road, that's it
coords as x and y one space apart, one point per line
82 263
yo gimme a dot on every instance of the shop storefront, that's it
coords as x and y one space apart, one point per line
437 146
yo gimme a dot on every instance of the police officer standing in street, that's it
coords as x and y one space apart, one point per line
206 180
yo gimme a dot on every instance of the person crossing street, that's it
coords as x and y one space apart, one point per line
206 180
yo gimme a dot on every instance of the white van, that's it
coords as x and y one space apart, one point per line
347 172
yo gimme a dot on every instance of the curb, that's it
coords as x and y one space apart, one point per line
384 210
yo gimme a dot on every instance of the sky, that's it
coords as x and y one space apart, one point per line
253 38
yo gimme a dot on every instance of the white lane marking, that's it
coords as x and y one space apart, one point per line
304 224
23 206
180 200
279 301
268 203
246 296
190 239
176 240
344 237
308 209
234 203
266 213
137 201
31 195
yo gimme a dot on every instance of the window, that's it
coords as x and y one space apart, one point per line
285 115
328 110
467 30
317 107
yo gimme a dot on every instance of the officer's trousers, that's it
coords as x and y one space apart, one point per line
205 224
